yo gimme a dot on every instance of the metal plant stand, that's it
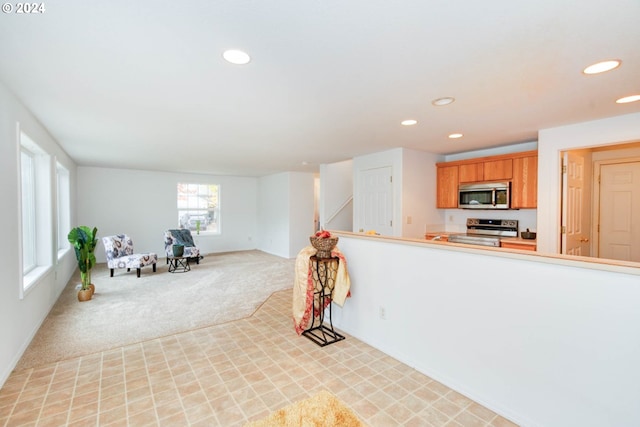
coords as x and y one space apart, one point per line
178 264
324 271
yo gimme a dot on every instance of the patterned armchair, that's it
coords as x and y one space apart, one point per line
119 250
181 237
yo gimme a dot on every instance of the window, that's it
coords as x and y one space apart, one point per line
63 205
27 173
35 211
199 207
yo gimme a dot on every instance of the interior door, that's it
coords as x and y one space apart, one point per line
376 199
575 211
619 199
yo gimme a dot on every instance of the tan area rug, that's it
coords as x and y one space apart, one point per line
126 309
320 410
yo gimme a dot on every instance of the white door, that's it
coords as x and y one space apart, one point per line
619 199
575 213
376 200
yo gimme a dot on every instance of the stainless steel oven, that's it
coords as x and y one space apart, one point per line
493 195
486 232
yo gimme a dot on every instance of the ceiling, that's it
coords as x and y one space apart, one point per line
142 84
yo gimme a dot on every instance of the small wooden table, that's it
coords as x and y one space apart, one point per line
178 264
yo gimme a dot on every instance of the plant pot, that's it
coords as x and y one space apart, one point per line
84 295
92 288
178 250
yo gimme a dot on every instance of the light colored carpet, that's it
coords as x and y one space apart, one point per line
126 309
322 409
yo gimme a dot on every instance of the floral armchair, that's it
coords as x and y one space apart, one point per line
119 250
181 237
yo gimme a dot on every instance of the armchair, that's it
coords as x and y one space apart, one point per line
181 237
119 250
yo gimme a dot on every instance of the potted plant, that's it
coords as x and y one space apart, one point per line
84 243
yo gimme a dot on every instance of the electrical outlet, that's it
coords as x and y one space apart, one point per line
383 313
409 219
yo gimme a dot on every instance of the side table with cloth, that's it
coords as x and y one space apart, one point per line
303 287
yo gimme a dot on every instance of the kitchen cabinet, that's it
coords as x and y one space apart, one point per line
498 170
517 244
473 172
521 169
447 187
495 170
431 236
524 186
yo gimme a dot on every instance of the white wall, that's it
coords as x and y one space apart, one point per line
495 151
273 220
285 213
301 205
413 186
456 219
21 318
336 188
551 142
419 210
540 343
143 205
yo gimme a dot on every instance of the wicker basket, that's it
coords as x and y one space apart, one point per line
323 245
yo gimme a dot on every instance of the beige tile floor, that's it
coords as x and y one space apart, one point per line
227 375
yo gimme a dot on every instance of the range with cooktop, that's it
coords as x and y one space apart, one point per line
486 232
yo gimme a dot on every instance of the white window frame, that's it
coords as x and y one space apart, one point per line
42 214
200 201
63 209
27 211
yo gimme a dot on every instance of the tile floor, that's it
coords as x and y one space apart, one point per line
227 375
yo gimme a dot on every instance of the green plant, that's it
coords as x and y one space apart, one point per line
84 242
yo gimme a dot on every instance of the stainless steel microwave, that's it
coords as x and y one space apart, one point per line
492 195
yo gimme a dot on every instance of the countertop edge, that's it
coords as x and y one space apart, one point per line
559 259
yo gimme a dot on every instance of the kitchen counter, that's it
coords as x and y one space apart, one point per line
505 242
518 240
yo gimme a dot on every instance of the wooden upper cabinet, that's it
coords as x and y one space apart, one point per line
447 187
494 170
498 170
524 185
521 169
473 172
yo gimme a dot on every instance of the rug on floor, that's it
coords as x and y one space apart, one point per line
321 410
127 309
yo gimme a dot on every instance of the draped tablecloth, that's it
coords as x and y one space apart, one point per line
303 288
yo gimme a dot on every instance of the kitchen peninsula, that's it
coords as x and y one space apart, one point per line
505 242
517 332
488 232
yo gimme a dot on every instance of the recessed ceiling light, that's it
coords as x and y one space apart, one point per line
455 135
627 99
603 66
443 101
409 122
237 57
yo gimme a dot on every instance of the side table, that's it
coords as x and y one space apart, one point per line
324 272
178 264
